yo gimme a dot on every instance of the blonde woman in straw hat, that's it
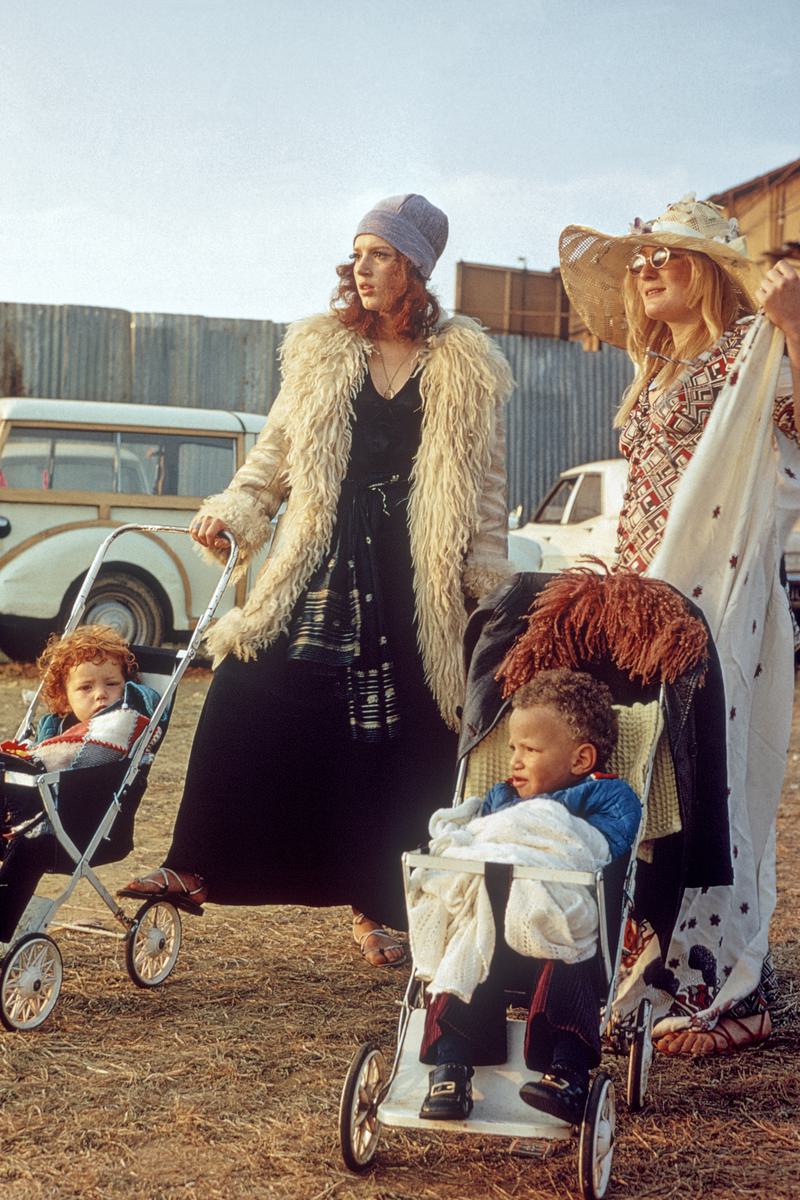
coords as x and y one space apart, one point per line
328 734
710 430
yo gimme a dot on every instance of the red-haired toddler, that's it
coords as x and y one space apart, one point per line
97 706
98 709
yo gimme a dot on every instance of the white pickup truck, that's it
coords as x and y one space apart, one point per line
579 515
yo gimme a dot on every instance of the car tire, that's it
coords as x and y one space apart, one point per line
125 602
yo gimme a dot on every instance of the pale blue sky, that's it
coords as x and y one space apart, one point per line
214 156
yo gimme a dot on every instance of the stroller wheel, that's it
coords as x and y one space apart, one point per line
640 1056
359 1127
30 982
596 1146
153 943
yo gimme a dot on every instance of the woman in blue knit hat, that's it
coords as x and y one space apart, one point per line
329 731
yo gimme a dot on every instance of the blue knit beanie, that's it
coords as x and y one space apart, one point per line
412 225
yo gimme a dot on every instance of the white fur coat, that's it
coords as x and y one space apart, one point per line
457 503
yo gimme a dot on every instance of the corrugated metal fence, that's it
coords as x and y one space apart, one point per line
560 413
72 353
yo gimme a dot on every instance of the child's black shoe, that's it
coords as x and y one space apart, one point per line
449 1095
561 1098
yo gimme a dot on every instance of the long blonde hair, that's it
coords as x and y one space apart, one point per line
717 303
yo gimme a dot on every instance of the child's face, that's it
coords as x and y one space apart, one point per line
93 686
545 754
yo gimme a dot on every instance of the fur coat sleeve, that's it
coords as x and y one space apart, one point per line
486 565
457 500
258 488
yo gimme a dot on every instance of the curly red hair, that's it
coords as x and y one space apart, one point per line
87 643
414 311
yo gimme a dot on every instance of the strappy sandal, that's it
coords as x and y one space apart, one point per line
750 1037
390 942
169 885
725 1042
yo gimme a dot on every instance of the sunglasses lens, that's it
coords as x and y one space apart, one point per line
660 257
636 264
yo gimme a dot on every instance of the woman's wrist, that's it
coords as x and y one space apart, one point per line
793 346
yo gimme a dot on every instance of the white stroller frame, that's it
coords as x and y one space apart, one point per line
31 969
373 1096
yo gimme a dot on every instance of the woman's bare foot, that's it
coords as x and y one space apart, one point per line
729 1035
379 947
164 881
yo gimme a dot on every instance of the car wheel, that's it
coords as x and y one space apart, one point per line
127 604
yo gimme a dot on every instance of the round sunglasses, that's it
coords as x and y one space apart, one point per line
657 259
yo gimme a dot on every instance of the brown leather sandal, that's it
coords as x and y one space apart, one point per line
723 1040
169 885
730 1044
391 942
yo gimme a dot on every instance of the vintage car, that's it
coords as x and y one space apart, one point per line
579 515
72 470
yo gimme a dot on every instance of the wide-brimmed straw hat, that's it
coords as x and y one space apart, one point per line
593 264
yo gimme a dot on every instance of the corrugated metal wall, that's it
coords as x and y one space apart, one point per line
206 362
560 413
66 352
73 353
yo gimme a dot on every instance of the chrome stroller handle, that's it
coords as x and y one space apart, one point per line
183 657
79 604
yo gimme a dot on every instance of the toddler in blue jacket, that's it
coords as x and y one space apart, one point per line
562 732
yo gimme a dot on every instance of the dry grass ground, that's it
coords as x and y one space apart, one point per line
224 1083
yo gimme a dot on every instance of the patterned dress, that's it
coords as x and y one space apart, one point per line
720 942
660 437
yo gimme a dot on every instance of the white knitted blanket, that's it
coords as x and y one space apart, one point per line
451 928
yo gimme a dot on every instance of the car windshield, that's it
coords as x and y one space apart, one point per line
587 500
551 510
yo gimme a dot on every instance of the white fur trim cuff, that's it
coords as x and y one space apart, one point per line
247 520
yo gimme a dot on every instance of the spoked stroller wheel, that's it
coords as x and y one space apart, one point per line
359 1127
640 1056
596 1146
30 982
153 943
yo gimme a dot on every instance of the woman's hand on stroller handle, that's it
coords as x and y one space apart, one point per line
208 530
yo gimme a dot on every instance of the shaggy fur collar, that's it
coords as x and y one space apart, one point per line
464 380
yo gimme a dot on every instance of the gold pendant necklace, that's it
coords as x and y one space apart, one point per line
389 392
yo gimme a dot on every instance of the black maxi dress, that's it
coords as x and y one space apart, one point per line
282 805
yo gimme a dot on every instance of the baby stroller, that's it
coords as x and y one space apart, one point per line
377 1095
85 819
